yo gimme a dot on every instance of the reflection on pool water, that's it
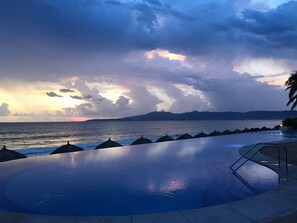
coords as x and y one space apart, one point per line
140 179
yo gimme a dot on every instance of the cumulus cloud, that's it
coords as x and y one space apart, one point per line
53 94
109 41
88 97
242 94
137 101
66 90
76 97
269 33
4 109
72 36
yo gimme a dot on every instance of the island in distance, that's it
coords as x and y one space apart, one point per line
195 115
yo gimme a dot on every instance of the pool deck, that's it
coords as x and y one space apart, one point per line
278 205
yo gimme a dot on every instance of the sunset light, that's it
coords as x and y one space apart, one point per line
144 110
166 54
175 57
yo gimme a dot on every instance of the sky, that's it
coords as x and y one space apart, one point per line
72 60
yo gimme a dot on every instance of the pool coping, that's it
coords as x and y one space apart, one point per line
269 206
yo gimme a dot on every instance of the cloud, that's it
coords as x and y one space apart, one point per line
76 97
88 97
137 101
66 90
72 36
4 109
53 94
84 45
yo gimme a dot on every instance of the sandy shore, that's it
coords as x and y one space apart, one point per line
292 152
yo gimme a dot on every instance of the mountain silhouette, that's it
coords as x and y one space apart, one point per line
195 115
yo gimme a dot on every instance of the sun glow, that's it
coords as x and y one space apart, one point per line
166 54
272 71
26 98
110 91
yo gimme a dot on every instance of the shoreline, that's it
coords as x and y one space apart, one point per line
46 150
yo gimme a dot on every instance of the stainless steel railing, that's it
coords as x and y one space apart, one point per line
254 150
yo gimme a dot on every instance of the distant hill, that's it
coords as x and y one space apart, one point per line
195 115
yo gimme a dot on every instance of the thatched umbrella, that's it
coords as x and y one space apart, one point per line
255 129
237 131
227 132
214 133
264 128
6 155
246 130
141 140
67 148
201 134
184 136
108 144
165 138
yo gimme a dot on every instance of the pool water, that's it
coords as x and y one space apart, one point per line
151 178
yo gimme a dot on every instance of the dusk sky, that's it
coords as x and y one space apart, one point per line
81 59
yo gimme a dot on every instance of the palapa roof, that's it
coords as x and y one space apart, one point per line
165 138
237 131
184 136
255 129
67 148
265 128
108 144
201 134
226 132
246 130
6 155
141 140
214 133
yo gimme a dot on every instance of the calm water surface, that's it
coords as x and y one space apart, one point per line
152 178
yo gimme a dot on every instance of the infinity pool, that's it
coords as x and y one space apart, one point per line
130 180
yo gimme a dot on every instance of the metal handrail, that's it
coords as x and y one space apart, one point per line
262 145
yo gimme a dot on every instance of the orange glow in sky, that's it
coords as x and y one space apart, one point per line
166 54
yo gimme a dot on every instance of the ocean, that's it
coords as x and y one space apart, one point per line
34 139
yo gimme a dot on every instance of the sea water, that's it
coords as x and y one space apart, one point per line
42 138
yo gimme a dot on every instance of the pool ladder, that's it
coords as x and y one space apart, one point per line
254 150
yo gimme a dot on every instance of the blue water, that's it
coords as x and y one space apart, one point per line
151 178
42 138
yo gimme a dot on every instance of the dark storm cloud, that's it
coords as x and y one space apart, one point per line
46 39
53 94
56 34
76 97
66 90
88 97
272 32
242 93
40 37
51 40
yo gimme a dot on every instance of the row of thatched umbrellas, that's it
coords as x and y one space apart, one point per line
6 154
